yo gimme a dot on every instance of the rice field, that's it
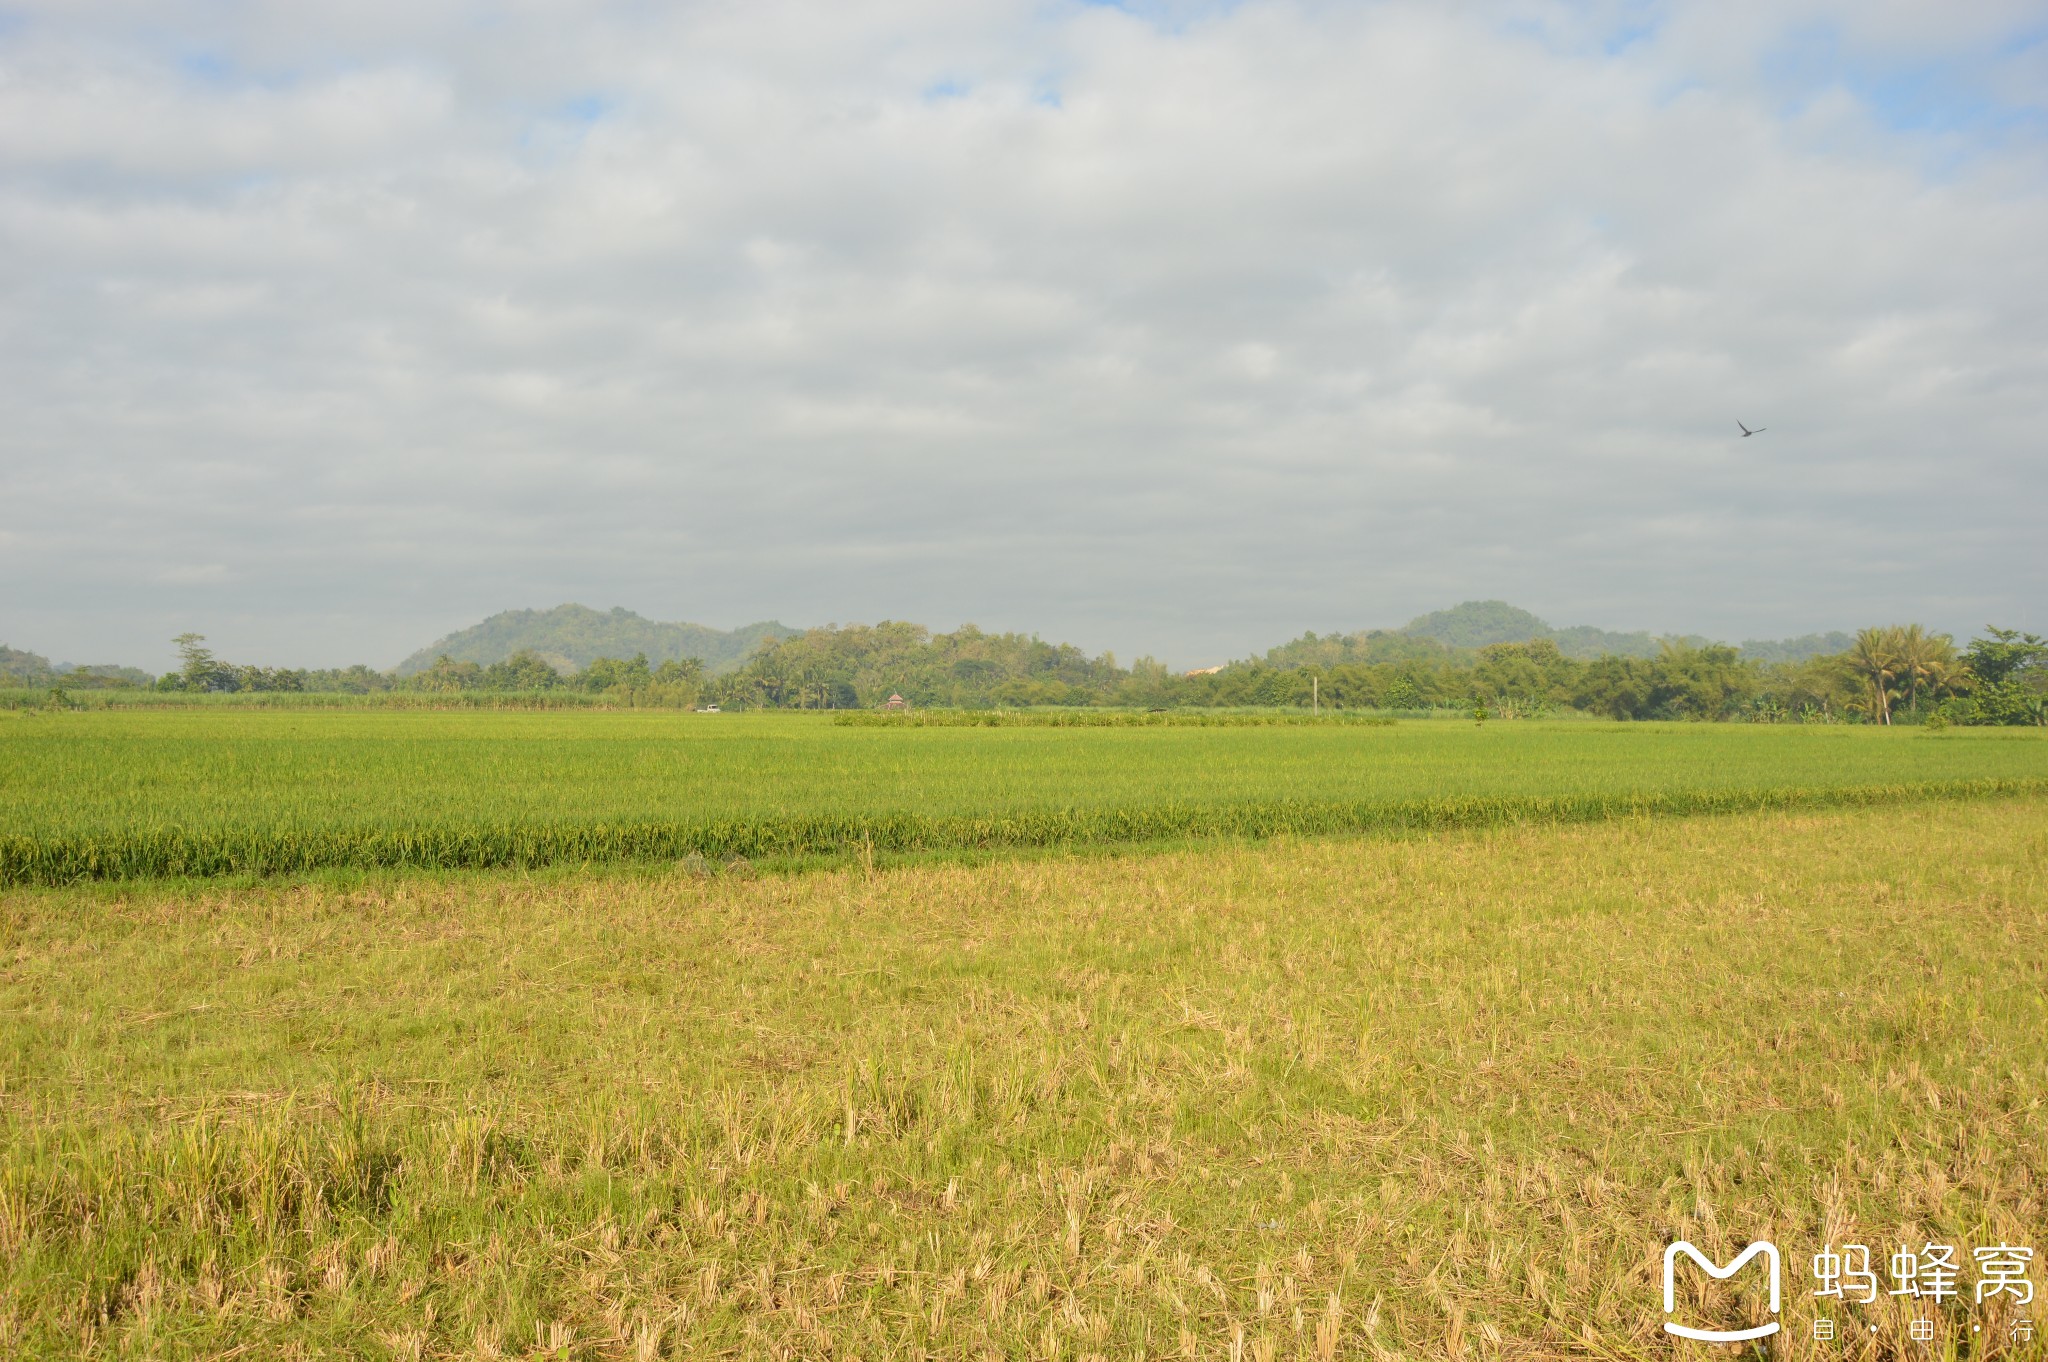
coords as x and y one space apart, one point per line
1118 718
26 699
1441 1096
115 795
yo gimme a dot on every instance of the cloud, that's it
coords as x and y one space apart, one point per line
1176 328
192 574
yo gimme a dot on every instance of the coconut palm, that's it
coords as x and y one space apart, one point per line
1924 659
1875 658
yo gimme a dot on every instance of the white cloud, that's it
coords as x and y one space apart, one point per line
1182 329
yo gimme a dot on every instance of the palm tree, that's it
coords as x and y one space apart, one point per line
1924 658
1875 657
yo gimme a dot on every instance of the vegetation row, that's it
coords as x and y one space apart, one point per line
1884 676
168 851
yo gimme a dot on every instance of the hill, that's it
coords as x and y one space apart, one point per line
1362 648
1475 624
1797 649
19 668
1478 623
573 636
1454 635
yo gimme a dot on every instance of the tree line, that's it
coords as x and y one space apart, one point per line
673 682
21 669
1899 674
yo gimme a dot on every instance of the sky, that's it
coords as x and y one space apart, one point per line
1171 328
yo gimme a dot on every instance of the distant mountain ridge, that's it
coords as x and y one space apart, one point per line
572 636
1475 624
20 668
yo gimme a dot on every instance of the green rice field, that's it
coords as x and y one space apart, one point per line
180 793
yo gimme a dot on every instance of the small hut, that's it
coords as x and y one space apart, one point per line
896 702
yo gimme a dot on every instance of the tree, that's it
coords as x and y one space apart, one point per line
448 675
524 670
680 672
1522 678
609 673
2002 654
2006 672
200 669
1875 657
1401 693
1924 659
353 680
1619 687
195 659
1816 689
1711 682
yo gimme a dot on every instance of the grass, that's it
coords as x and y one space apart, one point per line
1436 1096
140 794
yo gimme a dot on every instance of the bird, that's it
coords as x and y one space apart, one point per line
1747 432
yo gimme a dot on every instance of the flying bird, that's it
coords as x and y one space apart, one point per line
1747 432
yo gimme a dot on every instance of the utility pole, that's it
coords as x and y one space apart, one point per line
1315 691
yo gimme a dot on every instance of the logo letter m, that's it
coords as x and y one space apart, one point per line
1768 1252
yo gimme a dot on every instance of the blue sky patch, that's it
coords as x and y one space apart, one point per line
1948 93
586 108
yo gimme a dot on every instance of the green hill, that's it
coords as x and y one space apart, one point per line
1797 649
1478 623
1475 624
573 636
18 668
1360 649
